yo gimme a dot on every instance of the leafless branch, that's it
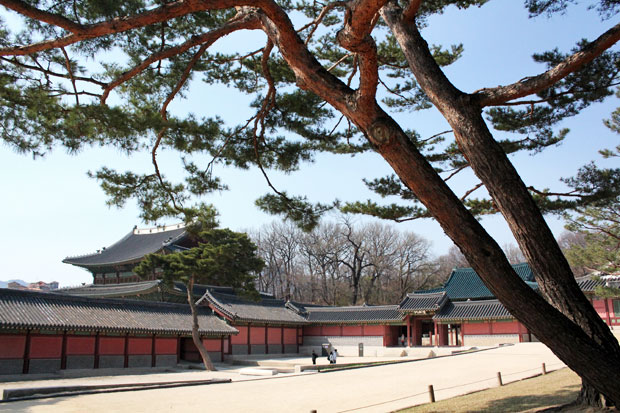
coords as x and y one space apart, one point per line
566 194
468 193
342 59
456 171
436 135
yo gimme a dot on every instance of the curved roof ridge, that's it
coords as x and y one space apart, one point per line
122 302
159 228
93 254
130 248
236 298
353 307
419 293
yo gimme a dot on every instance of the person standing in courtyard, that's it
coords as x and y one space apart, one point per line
334 356
314 357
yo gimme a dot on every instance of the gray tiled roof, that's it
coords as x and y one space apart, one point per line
354 314
423 302
111 290
473 310
587 284
266 310
130 248
138 288
28 309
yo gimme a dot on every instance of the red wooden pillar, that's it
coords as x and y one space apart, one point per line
63 351
462 334
297 338
436 335
341 330
126 351
249 344
178 348
607 317
282 338
153 353
266 339
363 328
490 327
26 365
408 330
96 360
222 347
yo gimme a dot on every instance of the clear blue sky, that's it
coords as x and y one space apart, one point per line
51 210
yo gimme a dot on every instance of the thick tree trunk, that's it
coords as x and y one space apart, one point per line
490 163
206 360
590 357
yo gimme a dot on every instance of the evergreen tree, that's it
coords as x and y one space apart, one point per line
56 88
222 257
601 229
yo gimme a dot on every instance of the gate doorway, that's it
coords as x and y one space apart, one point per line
189 351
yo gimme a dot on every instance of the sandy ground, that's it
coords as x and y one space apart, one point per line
373 389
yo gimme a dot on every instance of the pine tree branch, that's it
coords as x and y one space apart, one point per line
164 116
117 25
326 9
567 194
469 192
70 71
240 22
502 94
49 72
359 21
411 11
27 10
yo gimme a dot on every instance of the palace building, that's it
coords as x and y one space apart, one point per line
121 320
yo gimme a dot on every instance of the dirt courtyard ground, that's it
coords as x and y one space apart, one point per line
374 389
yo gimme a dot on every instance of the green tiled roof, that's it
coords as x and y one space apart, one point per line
465 283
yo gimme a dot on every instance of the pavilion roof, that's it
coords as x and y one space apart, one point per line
465 283
38 310
423 302
132 247
473 310
265 310
354 314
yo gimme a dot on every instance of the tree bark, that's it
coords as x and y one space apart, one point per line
206 360
596 363
490 163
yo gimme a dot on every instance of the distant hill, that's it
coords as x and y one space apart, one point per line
5 284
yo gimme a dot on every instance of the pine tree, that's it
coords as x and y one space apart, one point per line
222 257
321 64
